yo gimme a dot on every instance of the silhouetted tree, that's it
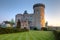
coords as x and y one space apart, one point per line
46 24
18 24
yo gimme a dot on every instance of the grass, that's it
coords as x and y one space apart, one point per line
31 35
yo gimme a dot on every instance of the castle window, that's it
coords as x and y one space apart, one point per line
37 11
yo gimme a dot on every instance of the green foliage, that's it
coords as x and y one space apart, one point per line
46 24
8 30
12 21
57 34
25 29
44 28
18 24
35 28
12 30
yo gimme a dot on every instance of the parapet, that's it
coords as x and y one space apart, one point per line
38 5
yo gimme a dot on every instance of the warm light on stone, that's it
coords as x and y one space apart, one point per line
33 20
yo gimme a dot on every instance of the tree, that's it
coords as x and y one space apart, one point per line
18 24
46 24
12 22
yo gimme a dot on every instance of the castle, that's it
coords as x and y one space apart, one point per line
32 20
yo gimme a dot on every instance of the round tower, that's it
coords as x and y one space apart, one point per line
39 15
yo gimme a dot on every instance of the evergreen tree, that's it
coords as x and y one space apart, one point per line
12 21
46 24
18 24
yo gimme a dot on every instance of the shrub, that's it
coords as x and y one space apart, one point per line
25 29
44 28
12 30
57 34
7 30
35 28
18 24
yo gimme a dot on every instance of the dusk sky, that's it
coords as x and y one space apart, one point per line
9 8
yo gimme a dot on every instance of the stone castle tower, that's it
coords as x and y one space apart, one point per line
32 20
39 15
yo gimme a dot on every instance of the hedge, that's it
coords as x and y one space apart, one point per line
11 30
57 34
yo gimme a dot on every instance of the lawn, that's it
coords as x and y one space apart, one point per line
31 35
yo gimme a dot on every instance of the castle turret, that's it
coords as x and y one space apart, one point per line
39 15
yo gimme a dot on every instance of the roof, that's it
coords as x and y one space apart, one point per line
38 4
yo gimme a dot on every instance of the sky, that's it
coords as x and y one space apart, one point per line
9 8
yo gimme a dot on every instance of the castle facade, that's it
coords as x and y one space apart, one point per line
32 20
